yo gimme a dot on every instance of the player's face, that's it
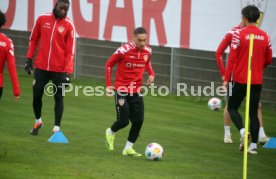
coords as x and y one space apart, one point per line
62 9
140 40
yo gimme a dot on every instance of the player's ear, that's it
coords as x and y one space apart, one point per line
243 21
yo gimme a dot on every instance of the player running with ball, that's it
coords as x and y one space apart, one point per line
132 60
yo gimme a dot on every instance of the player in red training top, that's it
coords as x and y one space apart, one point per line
132 60
54 60
7 55
226 41
238 65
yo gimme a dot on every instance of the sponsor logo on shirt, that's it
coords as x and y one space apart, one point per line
3 44
128 65
134 65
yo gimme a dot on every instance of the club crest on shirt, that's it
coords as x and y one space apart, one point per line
121 101
60 29
146 57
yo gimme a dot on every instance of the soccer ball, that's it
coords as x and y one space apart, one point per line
154 151
214 104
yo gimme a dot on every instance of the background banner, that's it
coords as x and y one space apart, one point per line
193 24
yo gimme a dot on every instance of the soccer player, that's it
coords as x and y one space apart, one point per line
132 60
54 61
7 55
226 41
238 65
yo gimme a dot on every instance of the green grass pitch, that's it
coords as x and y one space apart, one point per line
191 135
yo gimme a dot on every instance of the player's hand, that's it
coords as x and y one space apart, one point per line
110 91
225 84
29 66
66 79
150 80
223 77
16 98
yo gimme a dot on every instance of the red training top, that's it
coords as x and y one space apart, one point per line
7 55
57 44
132 63
226 41
239 51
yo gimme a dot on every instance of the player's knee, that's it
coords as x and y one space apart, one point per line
58 97
260 106
229 108
254 122
226 109
124 123
1 91
232 110
37 94
137 122
253 115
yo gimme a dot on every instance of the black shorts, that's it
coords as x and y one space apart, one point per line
42 77
1 91
229 90
129 107
239 93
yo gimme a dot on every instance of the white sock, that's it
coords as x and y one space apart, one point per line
261 132
227 130
38 120
253 146
242 132
128 145
56 128
109 131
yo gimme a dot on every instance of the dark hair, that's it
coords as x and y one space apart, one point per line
251 12
2 19
139 30
64 1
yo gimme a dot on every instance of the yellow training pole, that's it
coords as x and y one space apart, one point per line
247 105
